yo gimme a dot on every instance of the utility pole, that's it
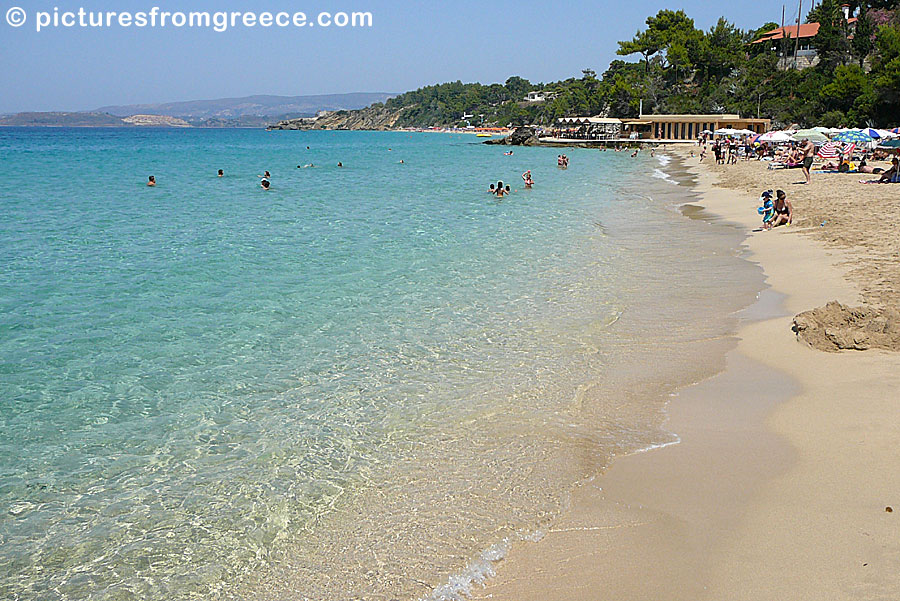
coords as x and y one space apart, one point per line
783 42
797 44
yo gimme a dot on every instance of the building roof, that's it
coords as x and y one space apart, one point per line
807 30
590 120
721 118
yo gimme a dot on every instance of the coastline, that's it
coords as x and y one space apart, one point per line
780 484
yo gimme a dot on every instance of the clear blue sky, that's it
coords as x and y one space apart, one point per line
410 45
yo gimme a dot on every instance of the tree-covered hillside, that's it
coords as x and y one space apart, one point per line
682 69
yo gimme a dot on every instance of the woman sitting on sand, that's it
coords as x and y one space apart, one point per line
784 212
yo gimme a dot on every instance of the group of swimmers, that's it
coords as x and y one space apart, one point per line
500 189
264 179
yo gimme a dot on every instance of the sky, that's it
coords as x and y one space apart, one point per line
410 44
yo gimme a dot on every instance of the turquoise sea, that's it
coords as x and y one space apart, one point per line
361 384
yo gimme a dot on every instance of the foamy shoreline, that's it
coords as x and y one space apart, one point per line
780 486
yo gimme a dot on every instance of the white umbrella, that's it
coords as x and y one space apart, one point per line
745 132
775 136
726 131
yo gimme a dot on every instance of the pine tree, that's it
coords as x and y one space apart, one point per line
863 39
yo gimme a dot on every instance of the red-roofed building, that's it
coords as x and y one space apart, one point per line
807 56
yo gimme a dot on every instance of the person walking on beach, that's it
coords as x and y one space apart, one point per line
806 151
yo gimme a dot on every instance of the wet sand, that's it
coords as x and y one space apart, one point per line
787 463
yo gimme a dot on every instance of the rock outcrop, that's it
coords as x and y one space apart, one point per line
522 136
372 118
836 327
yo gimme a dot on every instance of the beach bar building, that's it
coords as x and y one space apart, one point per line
687 127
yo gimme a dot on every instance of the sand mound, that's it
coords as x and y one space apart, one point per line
836 327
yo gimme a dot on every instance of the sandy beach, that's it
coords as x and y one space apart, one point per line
785 483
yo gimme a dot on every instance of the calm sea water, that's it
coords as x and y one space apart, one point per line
362 383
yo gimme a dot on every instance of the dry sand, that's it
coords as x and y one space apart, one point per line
788 460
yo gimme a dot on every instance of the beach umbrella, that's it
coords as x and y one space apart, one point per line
831 150
811 135
896 130
823 130
872 133
775 136
726 131
894 144
857 137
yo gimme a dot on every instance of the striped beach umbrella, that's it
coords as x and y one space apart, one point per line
831 150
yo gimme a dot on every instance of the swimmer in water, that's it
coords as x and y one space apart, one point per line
265 184
500 192
266 175
508 154
151 181
492 189
340 164
529 182
401 162
221 173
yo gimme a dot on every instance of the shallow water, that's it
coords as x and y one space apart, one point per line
358 384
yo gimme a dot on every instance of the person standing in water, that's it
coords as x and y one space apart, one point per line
221 173
529 181
151 181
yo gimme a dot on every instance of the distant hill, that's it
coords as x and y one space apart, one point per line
251 106
61 120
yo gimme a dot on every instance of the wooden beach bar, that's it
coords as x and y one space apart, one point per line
687 127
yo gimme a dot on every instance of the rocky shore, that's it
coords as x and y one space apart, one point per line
377 118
